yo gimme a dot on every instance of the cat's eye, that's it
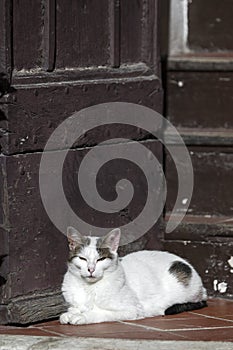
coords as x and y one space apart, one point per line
82 258
101 259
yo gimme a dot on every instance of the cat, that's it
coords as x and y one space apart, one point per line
99 286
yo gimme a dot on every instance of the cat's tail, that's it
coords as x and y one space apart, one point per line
177 308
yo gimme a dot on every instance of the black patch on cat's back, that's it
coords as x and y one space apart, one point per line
181 271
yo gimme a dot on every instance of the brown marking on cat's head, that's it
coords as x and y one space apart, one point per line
104 252
76 242
181 271
108 245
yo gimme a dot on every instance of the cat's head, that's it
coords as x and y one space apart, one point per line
91 257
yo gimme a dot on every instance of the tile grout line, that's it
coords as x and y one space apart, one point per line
151 328
213 317
175 329
198 329
47 331
141 326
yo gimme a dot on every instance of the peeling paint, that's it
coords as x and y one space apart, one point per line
23 139
220 287
184 201
230 262
215 283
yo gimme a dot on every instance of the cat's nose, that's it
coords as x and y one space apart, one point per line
91 270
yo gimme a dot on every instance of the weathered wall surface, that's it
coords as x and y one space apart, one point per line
199 101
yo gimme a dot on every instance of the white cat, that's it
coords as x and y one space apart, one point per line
99 286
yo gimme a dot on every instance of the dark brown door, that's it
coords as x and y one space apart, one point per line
58 57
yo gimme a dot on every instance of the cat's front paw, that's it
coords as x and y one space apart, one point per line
76 319
64 318
72 318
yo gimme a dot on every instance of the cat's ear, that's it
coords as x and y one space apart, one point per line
112 239
74 237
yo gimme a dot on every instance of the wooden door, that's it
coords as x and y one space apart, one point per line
58 57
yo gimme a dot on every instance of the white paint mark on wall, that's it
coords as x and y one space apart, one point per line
220 287
184 201
230 262
215 283
23 139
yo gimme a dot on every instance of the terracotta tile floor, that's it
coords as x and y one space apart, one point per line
214 323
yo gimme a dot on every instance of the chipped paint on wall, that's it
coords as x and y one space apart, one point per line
230 262
184 201
215 283
220 287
